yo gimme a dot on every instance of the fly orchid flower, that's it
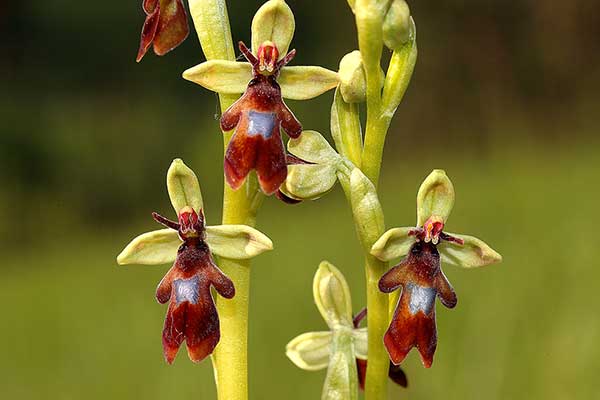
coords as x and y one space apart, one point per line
338 348
190 244
166 26
260 114
395 373
420 274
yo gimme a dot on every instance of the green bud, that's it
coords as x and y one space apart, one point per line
151 248
311 146
183 187
473 253
353 84
366 208
274 22
435 197
394 243
309 181
332 296
397 25
236 241
310 351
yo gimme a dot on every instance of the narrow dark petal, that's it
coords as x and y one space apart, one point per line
248 54
173 27
152 9
359 317
397 375
287 59
165 221
361 368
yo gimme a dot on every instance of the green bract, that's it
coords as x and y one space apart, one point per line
366 208
337 348
397 25
274 22
160 246
435 200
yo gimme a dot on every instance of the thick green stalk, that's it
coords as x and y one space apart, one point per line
369 20
230 358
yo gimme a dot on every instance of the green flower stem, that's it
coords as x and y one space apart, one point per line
369 20
230 359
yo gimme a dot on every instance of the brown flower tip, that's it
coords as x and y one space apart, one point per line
257 118
192 316
166 26
413 324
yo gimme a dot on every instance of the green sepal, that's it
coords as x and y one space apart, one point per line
310 351
394 243
332 296
361 343
312 147
473 253
212 26
231 77
183 187
236 242
309 181
366 209
435 197
274 21
151 248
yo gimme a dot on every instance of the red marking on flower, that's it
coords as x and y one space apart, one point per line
290 159
166 26
257 118
432 231
413 324
192 316
395 373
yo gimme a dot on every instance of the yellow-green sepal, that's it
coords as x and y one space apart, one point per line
473 253
221 76
435 197
309 181
151 248
310 351
366 209
274 21
312 147
361 343
304 82
183 187
212 26
332 296
394 243
236 242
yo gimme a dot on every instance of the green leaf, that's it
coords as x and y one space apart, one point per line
353 82
306 82
366 208
151 248
309 181
332 296
392 244
183 187
435 197
361 343
237 242
225 77
310 351
274 22
474 253
311 146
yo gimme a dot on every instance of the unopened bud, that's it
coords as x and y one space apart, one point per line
397 25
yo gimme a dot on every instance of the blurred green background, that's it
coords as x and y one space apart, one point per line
505 98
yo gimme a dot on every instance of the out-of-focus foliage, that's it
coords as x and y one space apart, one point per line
504 98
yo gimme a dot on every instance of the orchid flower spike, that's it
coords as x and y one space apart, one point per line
420 274
190 245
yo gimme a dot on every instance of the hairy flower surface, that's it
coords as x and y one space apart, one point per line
419 274
190 244
165 27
